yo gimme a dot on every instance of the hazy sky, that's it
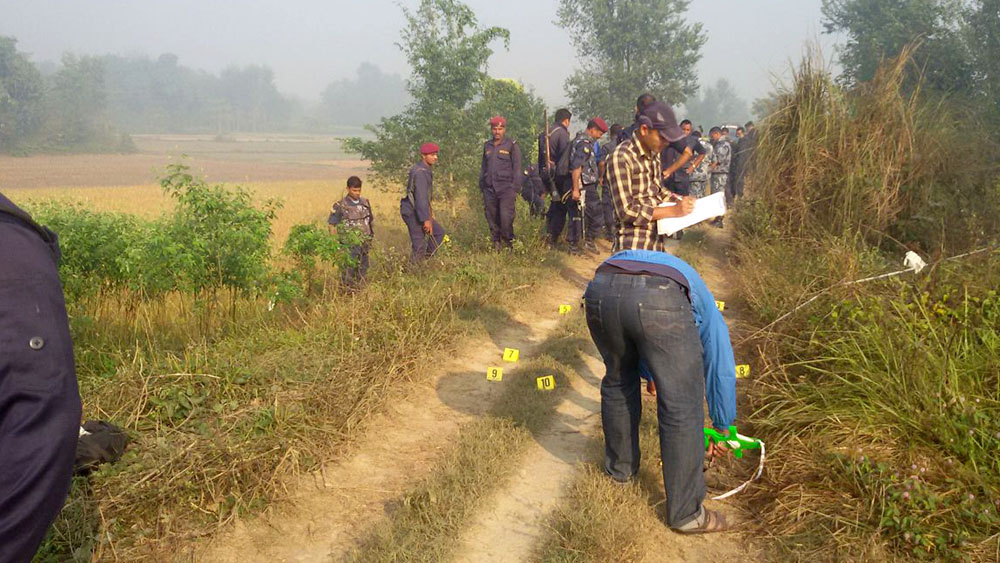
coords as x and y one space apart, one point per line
309 43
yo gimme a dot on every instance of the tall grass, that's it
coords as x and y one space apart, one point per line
880 401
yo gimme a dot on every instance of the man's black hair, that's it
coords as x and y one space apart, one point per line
616 128
644 101
562 114
685 122
725 130
354 182
715 130
696 134
738 129
749 124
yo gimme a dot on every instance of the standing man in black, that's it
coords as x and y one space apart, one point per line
557 168
499 175
742 157
679 181
39 400
426 234
585 172
607 207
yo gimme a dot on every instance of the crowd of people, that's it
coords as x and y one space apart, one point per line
579 175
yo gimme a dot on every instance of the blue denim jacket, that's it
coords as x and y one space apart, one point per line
717 350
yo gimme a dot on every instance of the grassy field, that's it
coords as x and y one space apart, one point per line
220 417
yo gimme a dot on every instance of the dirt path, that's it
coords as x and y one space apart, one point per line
329 512
325 514
514 523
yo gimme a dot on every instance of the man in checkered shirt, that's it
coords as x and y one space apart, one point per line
634 175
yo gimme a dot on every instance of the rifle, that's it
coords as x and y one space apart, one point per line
549 165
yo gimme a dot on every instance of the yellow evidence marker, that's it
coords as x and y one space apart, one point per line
494 374
721 305
742 371
511 354
563 309
546 383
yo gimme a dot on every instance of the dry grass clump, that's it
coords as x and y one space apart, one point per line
880 400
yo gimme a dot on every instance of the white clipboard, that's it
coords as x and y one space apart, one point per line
705 208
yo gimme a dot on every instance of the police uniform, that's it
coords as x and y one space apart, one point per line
415 208
349 214
722 155
498 179
584 157
607 207
559 210
39 400
533 190
699 176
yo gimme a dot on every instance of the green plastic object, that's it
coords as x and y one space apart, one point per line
734 441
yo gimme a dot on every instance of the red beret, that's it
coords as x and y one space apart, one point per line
498 120
428 148
601 124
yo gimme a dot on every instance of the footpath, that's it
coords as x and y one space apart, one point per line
325 515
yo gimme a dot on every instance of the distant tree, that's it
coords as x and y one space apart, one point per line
627 47
982 32
253 97
22 92
447 52
717 105
77 104
765 106
371 96
879 29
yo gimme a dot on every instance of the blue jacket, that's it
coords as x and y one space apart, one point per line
717 350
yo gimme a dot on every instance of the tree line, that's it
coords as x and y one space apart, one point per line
91 103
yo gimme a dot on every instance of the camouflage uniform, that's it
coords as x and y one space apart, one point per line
722 157
350 216
699 177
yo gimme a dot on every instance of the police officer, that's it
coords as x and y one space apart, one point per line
722 154
699 176
426 234
499 175
353 215
555 170
585 173
615 137
39 400
533 191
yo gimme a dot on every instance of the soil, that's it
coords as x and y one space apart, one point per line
326 514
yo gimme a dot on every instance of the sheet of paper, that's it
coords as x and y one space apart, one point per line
705 208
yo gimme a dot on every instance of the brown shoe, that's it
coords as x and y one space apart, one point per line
712 521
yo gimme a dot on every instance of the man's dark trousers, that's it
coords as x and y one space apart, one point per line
39 399
608 209
633 316
594 213
422 244
560 210
499 208
353 275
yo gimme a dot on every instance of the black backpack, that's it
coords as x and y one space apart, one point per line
99 442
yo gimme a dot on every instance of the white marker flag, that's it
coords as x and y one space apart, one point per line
705 208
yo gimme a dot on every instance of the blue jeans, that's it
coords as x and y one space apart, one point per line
650 317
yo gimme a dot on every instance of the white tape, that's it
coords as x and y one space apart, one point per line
760 470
